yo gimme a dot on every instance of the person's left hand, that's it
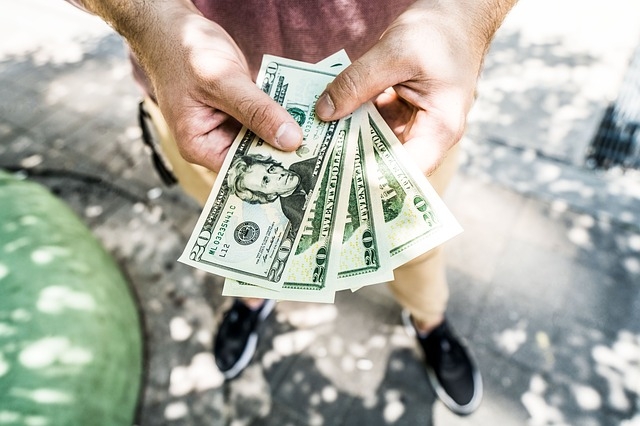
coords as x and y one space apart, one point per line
421 75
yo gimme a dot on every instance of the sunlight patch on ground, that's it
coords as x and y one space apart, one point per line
31 161
510 340
55 299
47 254
548 173
541 412
580 237
309 316
619 365
557 67
572 186
16 244
180 329
20 315
43 396
7 330
200 375
176 410
50 350
93 211
394 408
632 264
329 394
293 343
11 417
632 422
4 365
587 397
4 271
364 364
288 344
46 37
576 27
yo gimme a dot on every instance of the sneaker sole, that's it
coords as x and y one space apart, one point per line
462 410
252 343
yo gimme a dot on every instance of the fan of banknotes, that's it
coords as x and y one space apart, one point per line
341 212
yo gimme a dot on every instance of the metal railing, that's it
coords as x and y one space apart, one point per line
617 142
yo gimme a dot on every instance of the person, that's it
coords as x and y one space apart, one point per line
418 60
256 178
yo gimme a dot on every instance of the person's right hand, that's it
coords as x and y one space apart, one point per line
204 89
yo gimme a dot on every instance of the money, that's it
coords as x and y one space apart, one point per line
416 218
312 261
343 211
365 254
248 228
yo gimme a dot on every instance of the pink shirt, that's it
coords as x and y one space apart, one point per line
306 30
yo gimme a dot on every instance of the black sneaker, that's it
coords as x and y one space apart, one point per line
450 367
237 337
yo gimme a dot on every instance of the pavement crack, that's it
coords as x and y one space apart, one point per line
85 178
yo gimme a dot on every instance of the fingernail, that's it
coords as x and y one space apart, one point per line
288 136
325 107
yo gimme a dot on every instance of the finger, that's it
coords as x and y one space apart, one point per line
430 136
395 110
199 131
213 146
360 82
427 154
265 117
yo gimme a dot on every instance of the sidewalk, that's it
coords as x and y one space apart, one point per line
545 280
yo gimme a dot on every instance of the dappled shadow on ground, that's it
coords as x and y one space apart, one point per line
552 314
320 374
71 126
558 323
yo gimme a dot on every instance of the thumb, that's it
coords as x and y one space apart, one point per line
357 84
264 116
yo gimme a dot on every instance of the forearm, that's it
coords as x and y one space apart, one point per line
140 22
467 23
485 17
78 4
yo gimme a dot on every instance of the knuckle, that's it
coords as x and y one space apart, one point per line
189 146
257 115
183 143
450 132
451 127
348 83
188 152
457 130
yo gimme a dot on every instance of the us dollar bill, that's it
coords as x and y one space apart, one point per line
316 260
365 255
359 209
313 269
247 237
416 219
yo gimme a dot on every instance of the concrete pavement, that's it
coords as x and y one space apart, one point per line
545 279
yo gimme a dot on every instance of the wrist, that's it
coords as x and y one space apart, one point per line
468 25
141 23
